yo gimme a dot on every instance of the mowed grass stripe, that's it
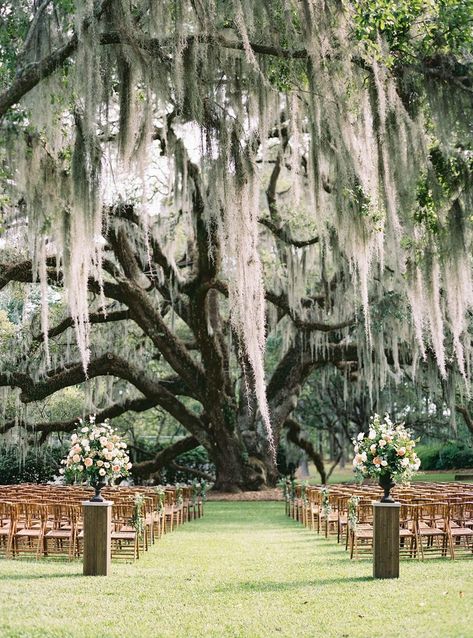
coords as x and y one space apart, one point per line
244 570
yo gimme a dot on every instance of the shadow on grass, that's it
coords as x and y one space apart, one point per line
4 577
256 586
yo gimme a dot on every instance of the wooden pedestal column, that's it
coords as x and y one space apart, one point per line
386 540
97 538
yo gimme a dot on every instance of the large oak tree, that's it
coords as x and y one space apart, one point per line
191 176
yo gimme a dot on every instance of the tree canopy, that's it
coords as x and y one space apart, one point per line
182 178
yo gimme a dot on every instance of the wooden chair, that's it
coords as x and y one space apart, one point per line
361 532
460 535
30 529
407 532
432 528
8 514
62 537
125 536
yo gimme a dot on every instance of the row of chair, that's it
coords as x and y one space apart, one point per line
436 519
45 521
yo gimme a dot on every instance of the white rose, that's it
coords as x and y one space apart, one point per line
361 436
382 443
372 434
76 458
364 458
373 448
103 441
74 438
107 465
86 429
88 462
128 466
99 463
384 463
102 472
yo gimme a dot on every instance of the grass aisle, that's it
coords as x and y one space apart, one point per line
244 570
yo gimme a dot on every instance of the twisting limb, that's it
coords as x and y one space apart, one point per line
295 435
144 313
133 405
107 364
285 236
94 318
467 418
190 470
164 457
32 75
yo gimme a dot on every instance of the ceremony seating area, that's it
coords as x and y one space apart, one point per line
436 519
47 520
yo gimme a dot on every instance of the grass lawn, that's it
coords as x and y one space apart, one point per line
244 570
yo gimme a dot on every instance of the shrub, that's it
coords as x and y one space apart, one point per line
38 466
429 456
452 455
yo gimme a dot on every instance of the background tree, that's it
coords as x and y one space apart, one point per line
183 178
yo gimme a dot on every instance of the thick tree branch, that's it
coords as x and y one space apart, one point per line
295 435
164 457
94 318
155 390
133 405
144 313
466 416
285 236
32 75
190 470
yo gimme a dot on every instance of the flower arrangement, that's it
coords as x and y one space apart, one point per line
387 449
97 455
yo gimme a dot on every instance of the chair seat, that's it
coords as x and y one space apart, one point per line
461 531
431 531
58 533
364 533
405 533
29 532
123 536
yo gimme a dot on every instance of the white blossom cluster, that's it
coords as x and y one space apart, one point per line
387 448
97 453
